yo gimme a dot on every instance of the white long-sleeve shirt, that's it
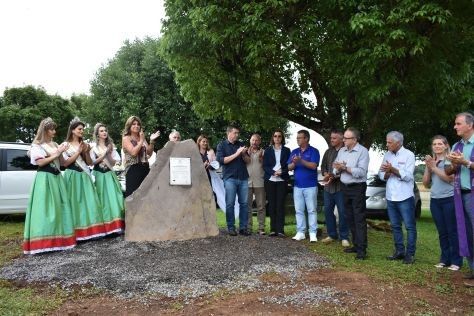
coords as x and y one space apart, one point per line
400 188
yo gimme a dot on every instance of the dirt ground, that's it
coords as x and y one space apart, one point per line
356 294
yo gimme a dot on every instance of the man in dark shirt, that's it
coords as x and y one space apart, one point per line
333 195
232 155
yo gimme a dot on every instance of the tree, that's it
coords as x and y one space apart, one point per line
137 81
22 109
377 65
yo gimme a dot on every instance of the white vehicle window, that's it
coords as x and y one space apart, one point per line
18 160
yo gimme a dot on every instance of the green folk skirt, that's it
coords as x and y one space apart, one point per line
49 223
85 204
111 198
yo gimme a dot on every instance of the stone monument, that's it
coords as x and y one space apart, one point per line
158 210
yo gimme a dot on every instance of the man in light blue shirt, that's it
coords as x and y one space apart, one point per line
398 169
351 165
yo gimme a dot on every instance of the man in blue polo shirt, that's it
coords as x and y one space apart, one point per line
232 155
304 161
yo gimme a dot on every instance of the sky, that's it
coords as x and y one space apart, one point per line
61 44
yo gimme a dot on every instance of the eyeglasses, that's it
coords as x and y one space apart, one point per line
276 136
347 138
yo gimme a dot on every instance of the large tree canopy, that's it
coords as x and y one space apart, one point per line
376 65
22 109
138 82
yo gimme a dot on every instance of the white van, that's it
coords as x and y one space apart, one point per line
16 177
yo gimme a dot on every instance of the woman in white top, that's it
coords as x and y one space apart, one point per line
48 223
104 157
276 178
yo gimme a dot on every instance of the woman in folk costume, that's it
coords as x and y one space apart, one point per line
48 224
86 208
104 157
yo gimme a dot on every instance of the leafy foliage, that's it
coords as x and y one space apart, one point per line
377 65
22 109
138 82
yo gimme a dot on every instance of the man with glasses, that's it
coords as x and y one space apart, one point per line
351 165
333 195
398 169
256 187
304 161
461 164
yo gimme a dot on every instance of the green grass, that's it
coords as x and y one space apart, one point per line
22 300
380 245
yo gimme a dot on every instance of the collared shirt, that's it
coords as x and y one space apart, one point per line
255 169
326 167
358 160
465 172
305 177
400 188
237 168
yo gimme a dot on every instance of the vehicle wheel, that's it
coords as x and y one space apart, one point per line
418 210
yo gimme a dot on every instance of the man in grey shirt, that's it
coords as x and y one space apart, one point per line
351 164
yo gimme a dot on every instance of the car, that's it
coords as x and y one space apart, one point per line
376 203
16 177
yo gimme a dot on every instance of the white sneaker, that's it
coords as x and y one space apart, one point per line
299 236
312 237
440 265
454 267
327 240
345 243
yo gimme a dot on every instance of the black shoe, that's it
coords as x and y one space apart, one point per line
244 232
396 256
281 235
350 250
232 232
361 255
408 259
272 234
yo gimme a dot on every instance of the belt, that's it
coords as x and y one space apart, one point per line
100 169
74 167
353 184
49 169
465 191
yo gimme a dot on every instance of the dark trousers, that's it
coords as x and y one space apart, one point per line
276 193
354 204
135 176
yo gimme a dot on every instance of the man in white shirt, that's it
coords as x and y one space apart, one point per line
397 169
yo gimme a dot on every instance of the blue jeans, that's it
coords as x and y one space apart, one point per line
331 200
442 211
469 220
403 212
240 188
305 198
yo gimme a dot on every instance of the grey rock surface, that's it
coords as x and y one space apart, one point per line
187 269
160 211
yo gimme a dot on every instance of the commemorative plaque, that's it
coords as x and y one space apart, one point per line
180 171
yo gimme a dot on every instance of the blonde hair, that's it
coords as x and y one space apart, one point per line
108 140
46 124
201 137
128 124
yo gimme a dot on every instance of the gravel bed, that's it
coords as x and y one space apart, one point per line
186 269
